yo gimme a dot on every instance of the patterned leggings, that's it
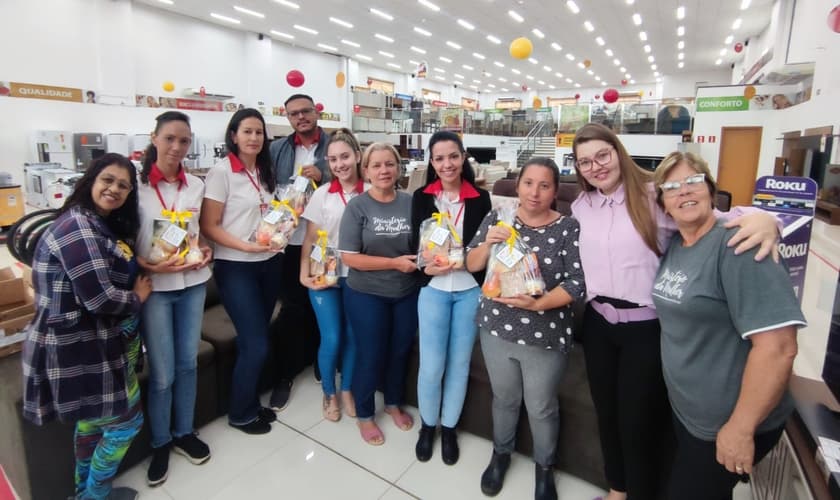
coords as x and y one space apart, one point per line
102 443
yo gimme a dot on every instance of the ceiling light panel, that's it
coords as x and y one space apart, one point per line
384 38
224 18
515 16
494 39
381 13
538 33
573 7
341 22
429 5
249 12
588 26
453 45
423 32
287 3
466 24
637 19
305 29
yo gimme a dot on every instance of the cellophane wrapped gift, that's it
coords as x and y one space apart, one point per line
299 192
324 261
277 225
439 241
512 268
170 235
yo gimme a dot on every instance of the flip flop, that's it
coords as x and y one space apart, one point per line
372 435
401 419
330 408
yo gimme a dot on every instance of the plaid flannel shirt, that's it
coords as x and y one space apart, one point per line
74 357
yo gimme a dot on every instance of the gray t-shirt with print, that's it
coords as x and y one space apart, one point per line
383 230
709 302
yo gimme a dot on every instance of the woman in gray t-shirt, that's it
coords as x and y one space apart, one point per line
381 293
524 339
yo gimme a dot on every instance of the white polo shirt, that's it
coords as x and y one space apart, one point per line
242 194
185 194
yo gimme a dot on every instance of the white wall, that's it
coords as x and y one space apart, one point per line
685 84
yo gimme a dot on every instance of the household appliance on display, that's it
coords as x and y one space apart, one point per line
54 146
117 143
47 184
87 147
191 160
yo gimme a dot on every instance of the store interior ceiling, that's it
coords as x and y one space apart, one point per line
467 42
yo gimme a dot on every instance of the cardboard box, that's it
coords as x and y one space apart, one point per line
17 308
12 288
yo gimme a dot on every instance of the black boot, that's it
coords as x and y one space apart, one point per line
545 488
448 445
494 475
425 443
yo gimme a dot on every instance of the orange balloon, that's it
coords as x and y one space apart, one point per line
749 92
537 102
587 63
340 78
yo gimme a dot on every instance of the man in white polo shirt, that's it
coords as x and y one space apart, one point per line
303 152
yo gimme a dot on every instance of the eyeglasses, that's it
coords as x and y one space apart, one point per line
692 183
111 182
602 157
301 112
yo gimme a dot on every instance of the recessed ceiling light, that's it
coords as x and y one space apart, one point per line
588 26
627 75
600 41
728 40
341 22
249 12
541 82
597 78
440 70
658 79
590 72
680 64
681 56
681 45
630 2
382 14
282 35
494 39
616 62
514 83
745 4
478 56
305 29
577 85
547 68
655 73
438 77
529 77
386 54
569 80
486 73
581 65
538 33
609 52
623 69
364 57
497 63
570 57
287 3
384 38
516 71
643 36
680 30
515 16
395 66
723 52
654 67
412 61
477 81
422 31
633 82
558 75
458 82
504 90
467 66
453 45
573 7
224 18
350 43
651 59
502 79
490 85
556 46
473 87
637 19
736 24
445 59
466 24
646 48
418 50
428 4
680 12
328 47
167 2
533 61
717 63
552 87
456 75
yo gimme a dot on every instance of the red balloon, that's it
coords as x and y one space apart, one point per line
524 88
624 82
610 96
357 108
294 78
577 96
834 19
202 92
739 47
597 96
319 107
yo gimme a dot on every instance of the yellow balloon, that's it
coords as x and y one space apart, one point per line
641 93
537 103
521 48
168 86
340 78
749 92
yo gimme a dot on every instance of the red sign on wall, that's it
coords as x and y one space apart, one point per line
712 138
701 138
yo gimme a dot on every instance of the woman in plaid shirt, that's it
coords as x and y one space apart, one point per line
82 344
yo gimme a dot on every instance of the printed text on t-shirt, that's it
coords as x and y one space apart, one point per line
670 285
390 225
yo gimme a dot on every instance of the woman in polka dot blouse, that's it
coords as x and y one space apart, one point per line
525 339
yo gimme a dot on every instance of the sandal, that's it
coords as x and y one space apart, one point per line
371 433
348 403
330 409
401 419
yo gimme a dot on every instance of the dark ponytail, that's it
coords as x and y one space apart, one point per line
150 155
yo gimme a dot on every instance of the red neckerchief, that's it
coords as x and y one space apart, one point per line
467 190
298 142
155 176
336 187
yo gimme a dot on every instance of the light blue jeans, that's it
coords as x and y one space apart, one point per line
336 337
171 328
447 334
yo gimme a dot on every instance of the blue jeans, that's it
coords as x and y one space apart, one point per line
447 336
384 329
336 337
171 328
249 293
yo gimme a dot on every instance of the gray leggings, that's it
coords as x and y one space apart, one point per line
521 370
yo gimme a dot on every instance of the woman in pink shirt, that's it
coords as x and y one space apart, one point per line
623 233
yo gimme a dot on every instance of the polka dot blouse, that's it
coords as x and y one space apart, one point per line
556 246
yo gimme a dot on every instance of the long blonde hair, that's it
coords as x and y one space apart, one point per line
635 179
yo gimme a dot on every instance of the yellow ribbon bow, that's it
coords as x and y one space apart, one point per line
322 242
284 203
513 233
174 215
300 173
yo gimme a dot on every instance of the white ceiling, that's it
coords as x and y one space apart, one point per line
707 24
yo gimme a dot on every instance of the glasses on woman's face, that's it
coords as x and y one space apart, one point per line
692 183
602 157
113 183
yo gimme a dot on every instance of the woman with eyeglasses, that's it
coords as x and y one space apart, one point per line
82 345
728 339
623 233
